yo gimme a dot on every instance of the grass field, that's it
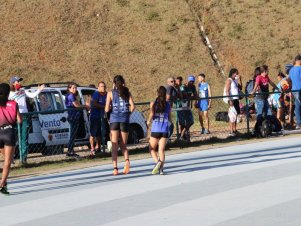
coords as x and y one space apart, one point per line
146 40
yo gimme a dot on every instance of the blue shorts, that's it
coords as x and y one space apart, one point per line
95 127
203 105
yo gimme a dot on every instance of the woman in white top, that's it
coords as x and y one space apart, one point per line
232 87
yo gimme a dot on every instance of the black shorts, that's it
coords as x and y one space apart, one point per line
7 137
159 135
236 106
121 126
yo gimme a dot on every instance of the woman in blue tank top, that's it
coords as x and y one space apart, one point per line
160 116
121 104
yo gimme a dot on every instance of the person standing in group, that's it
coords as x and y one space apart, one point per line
159 116
9 116
204 104
172 93
181 114
18 94
294 80
261 101
97 118
122 104
74 116
278 98
232 86
185 116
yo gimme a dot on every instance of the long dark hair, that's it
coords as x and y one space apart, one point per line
232 72
70 84
123 91
256 73
4 93
161 100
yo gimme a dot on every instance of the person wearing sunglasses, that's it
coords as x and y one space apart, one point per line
172 93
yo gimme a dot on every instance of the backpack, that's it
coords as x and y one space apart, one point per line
265 127
222 116
249 86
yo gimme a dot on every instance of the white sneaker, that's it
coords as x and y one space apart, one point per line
109 146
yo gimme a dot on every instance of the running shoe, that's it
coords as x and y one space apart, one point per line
161 172
72 154
157 168
3 190
115 171
206 131
126 168
232 134
202 130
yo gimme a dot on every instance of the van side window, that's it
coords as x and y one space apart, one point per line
45 102
58 101
30 104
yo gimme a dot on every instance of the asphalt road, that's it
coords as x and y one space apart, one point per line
251 184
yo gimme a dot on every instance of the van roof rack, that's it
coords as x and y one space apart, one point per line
49 84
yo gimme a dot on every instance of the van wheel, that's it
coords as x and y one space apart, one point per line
133 135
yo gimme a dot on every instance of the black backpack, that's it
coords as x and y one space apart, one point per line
222 116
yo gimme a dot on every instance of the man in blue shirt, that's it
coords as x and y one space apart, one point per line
294 80
97 117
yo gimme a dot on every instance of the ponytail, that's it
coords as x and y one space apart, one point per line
123 91
161 100
4 93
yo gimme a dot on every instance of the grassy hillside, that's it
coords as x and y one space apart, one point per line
146 40
247 34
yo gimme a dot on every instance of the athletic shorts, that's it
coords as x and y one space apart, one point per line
121 126
236 106
203 105
95 127
159 135
185 118
7 137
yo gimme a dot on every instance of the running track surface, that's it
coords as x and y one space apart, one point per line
243 185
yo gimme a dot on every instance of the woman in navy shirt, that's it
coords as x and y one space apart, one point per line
160 116
73 116
121 104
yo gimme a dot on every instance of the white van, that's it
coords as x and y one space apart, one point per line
50 130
